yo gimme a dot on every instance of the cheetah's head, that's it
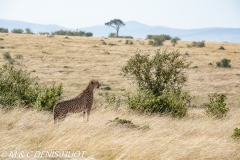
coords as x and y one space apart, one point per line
95 84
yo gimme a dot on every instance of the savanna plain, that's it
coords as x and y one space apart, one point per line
74 61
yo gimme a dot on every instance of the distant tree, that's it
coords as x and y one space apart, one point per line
163 36
174 40
43 33
115 23
28 31
3 30
88 34
19 31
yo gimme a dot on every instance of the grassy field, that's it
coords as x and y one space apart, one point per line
73 61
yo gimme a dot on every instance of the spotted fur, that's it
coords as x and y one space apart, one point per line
81 103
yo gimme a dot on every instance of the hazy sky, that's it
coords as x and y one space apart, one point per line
74 14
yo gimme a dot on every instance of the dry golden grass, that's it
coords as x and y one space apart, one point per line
193 137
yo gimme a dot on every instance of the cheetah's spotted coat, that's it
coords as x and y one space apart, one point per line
82 103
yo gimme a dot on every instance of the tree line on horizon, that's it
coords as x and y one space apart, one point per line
59 32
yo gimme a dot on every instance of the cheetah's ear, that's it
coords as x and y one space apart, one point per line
92 81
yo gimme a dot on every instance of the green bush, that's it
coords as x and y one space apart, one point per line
174 40
159 80
19 31
173 102
164 36
88 34
224 63
48 97
197 44
129 37
70 33
216 106
104 43
3 30
164 70
221 48
236 133
111 35
28 31
156 41
17 87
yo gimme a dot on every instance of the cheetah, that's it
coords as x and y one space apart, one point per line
81 103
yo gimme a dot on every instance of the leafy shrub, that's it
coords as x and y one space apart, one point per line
3 30
104 43
88 34
173 102
124 122
197 44
48 97
164 70
174 40
217 106
106 88
28 31
70 33
111 35
236 133
19 31
44 33
159 80
224 63
129 37
164 36
17 87
156 41
221 48
128 124
112 44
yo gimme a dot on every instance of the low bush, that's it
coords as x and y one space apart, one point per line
216 107
48 97
3 30
221 48
224 63
128 124
164 36
197 44
174 40
19 31
156 41
173 102
18 87
236 133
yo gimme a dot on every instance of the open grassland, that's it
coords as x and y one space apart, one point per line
76 60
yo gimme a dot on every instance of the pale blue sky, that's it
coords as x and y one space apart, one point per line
185 14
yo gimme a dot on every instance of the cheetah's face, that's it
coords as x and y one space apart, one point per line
95 84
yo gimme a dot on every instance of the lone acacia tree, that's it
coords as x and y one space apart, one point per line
115 23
